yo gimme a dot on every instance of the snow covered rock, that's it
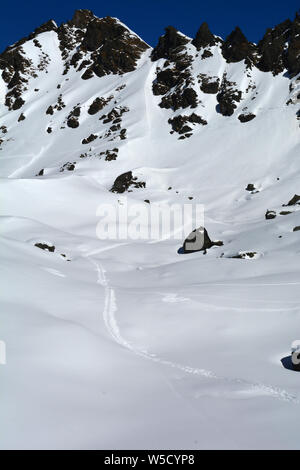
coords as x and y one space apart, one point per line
199 240
270 214
295 353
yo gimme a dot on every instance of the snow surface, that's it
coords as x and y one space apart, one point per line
131 344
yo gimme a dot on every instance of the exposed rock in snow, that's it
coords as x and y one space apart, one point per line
198 240
246 117
124 181
292 202
45 246
270 215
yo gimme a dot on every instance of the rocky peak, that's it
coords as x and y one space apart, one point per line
115 49
272 48
236 46
48 26
204 37
81 18
169 44
101 31
292 58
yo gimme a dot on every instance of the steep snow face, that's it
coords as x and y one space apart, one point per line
128 343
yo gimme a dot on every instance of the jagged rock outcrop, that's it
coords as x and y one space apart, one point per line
72 120
272 48
97 105
208 84
204 37
295 200
114 49
175 83
236 47
292 56
81 18
124 181
169 45
45 246
179 123
228 96
246 117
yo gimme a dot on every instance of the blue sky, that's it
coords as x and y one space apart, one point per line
148 18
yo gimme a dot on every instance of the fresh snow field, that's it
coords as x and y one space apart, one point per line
127 344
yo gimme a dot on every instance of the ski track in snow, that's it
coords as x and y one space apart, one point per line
111 324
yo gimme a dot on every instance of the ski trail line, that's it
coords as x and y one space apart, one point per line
110 307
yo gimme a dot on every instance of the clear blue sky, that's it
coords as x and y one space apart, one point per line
149 17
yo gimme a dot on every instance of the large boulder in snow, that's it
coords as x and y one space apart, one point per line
270 214
123 182
246 117
295 354
198 240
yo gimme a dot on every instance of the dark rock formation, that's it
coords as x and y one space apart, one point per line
50 110
204 37
68 166
21 117
272 48
174 82
165 80
72 120
16 67
114 49
228 97
81 18
292 55
206 54
270 214
169 45
198 240
236 47
180 99
89 139
124 181
246 117
208 84
285 212
110 154
18 104
179 123
250 187
87 74
248 254
44 246
295 200
97 105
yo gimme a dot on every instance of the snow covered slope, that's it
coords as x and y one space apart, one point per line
128 343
